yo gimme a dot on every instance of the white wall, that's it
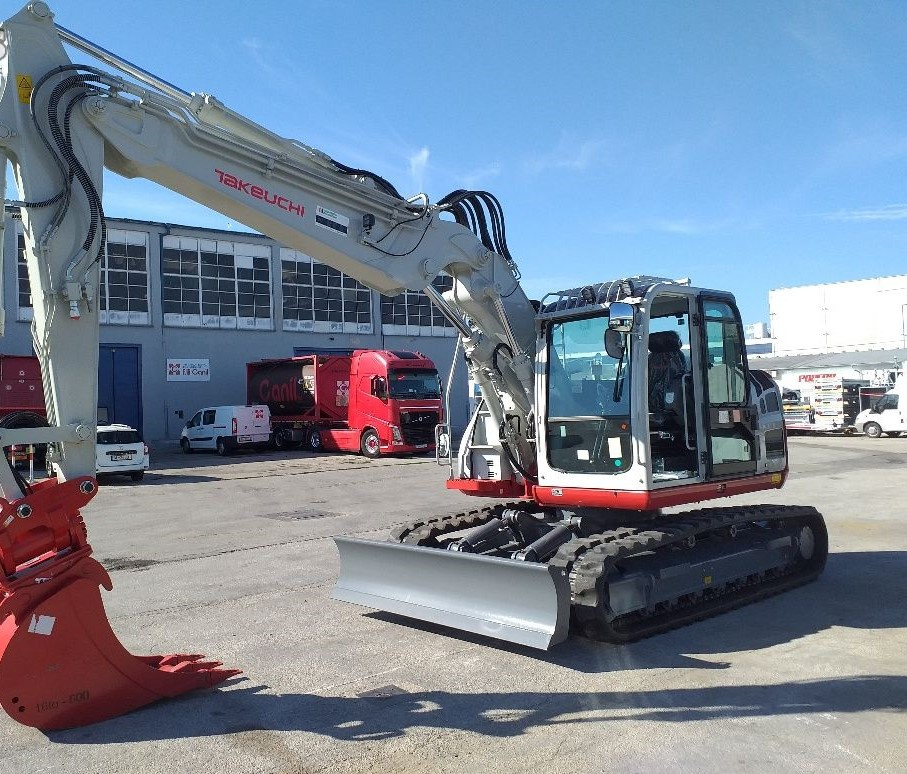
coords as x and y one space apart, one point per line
863 314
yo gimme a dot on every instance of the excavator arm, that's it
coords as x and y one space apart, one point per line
61 125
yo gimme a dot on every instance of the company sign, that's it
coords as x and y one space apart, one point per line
185 370
815 377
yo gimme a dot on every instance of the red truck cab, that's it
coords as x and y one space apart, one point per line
371 401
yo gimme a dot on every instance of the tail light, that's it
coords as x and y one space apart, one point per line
235 429
146 448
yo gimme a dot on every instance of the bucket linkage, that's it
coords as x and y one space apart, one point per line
61 665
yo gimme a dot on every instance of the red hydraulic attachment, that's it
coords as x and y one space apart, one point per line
61 665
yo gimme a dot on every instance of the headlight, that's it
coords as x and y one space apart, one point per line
396 435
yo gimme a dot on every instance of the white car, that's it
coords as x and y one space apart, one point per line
120 450
883 417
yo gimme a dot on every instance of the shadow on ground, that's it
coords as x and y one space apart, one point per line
862 590
858 590
503 714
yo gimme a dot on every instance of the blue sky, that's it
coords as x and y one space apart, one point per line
748 146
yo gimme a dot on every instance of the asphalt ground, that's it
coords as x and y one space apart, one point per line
233 558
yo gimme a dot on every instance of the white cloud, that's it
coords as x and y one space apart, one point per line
418 162
476 178
886 212
682 226
569 154
259 55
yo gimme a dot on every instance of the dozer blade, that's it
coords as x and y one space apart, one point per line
62 666
510 600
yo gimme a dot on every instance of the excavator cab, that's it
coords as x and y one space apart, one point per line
639 406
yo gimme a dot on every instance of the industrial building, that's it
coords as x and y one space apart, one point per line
853 331
183 309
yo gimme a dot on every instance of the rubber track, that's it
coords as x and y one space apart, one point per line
589 561
426 531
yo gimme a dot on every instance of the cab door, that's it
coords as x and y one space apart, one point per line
202 435
890 417
731 444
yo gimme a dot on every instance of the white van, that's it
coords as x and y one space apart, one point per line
883 417
226 428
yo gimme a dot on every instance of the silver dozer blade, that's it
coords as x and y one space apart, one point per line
510 600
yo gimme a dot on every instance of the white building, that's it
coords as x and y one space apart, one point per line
828 336
865 315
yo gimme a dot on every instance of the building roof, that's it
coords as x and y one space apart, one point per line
873 358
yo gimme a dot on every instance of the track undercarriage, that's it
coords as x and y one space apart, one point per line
625 575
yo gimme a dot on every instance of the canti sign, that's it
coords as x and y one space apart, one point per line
188 370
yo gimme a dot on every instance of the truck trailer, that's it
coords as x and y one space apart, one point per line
823 403
371 401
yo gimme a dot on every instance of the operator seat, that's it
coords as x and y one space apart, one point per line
667 366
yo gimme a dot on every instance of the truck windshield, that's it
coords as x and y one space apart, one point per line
588 399
412 383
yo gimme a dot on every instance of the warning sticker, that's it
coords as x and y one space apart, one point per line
24 85
332 220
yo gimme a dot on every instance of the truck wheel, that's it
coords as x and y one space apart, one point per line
222 447
314 441
137 475
283 442
872 430
184 445
370 446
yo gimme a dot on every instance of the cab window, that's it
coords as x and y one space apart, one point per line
887 402
725 351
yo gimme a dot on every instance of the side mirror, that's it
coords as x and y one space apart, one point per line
379 387
620 317
615 344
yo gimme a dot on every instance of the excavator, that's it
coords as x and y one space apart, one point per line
605 407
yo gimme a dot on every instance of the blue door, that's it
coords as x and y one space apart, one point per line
120 385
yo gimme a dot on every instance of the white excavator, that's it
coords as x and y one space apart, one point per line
604 406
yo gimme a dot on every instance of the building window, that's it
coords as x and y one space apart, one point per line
23 286
216 284
123 280
412 314
320 299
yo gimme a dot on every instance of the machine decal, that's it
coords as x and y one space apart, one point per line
24 85
333 220
257 192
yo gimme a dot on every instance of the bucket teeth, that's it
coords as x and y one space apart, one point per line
61 665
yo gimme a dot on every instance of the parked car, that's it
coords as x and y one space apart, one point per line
226 428
883 417
120 450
